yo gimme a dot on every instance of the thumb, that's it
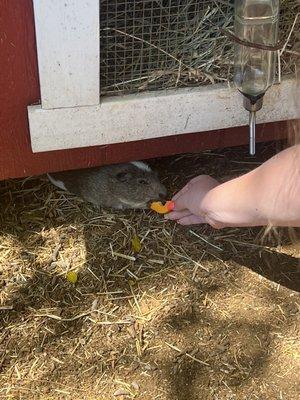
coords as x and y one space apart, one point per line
180 203
181 192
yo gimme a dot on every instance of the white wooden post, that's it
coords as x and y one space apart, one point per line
67 33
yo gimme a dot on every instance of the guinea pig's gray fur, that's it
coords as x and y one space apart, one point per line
119 186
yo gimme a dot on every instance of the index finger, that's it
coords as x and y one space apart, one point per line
174 215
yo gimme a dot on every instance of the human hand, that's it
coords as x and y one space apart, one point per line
187 210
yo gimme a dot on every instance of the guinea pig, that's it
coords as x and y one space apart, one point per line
119 186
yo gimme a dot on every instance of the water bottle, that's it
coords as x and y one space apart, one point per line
256 21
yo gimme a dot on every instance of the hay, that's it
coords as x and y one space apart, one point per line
136 321
153 45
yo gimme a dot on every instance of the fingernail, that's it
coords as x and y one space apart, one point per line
170 205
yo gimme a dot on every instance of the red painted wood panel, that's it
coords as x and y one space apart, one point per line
19 87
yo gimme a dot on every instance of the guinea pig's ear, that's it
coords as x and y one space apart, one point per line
124 176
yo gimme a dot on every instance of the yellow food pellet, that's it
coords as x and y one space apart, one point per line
136 244
72 277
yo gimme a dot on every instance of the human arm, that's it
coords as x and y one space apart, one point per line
268 194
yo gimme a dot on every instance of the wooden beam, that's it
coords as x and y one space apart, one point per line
153 115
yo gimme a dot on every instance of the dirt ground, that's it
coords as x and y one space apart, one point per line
197 314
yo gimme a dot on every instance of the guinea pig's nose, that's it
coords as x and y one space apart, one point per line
162 196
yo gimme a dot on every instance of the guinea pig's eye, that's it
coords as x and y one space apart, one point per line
143 182
124 176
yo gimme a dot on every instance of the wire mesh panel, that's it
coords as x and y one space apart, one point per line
148 45
160 44
289 30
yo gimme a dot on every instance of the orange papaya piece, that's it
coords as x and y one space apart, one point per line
160 208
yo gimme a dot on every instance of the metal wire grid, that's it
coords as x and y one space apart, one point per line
151 45
289 29
160 44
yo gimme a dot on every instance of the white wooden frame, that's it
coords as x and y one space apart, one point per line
70 114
